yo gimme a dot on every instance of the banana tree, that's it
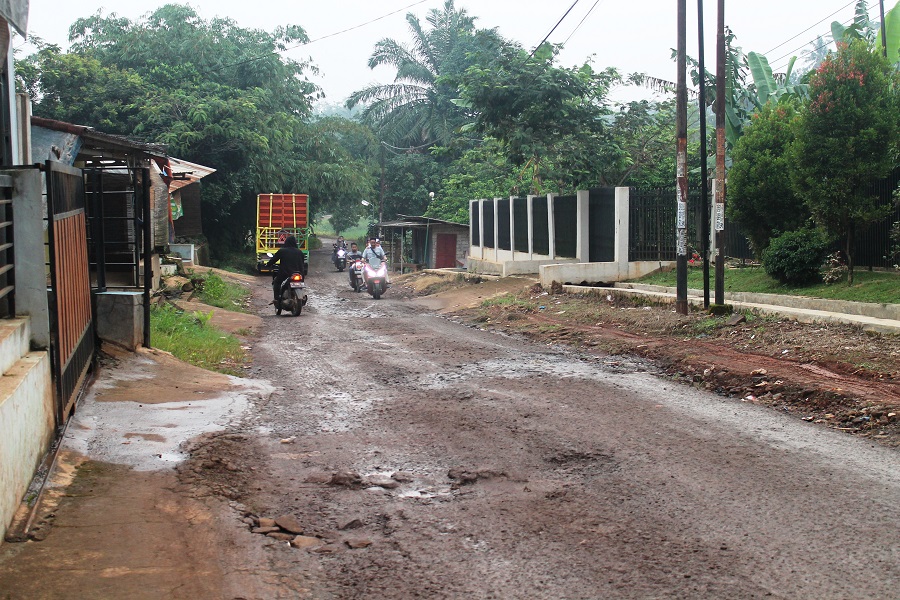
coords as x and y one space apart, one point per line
864 28
767 86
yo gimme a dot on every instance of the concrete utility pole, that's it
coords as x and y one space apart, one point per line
681 305
719 218
704 167
883 32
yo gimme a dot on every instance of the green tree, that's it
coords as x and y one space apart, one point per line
847 137
546 116
482 172
760 198
416 109
216 94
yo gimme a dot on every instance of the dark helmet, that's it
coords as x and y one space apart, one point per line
291 242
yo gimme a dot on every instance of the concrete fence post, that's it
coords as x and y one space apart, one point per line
512 229
582 223
551 227
622 230
530 204
496 229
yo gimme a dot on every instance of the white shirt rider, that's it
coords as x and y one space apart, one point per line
374 254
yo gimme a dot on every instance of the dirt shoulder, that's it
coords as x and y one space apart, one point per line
836 375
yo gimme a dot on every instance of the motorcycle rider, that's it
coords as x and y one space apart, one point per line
290 260
352 256
374 255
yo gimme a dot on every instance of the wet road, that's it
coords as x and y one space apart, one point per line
534 472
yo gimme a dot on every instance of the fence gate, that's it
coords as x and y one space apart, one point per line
72 327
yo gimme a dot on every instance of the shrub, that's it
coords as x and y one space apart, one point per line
795 257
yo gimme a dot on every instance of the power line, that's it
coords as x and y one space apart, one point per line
561 19
596 2
810 27
819 47
330 35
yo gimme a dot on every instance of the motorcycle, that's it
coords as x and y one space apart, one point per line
292 295
375 279
339 258
356 274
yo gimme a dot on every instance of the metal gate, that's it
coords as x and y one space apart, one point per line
72 326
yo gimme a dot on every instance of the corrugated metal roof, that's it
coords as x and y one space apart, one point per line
411 221
93 139
185 173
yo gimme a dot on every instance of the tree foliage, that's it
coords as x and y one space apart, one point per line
214 93
760 198
847 137
416 109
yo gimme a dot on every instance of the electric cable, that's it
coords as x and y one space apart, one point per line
318 39
810 27
561 19
819 47
596 2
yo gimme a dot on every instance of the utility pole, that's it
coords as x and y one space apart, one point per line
681 304
704 167
382 188
719 219
883 32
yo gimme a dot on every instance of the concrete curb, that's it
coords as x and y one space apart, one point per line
800 313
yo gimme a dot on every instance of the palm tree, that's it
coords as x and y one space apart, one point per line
416 109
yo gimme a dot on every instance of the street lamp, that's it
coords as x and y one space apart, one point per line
367 204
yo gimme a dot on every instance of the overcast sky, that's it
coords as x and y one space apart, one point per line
631 35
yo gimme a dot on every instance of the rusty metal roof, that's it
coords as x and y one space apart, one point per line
185 173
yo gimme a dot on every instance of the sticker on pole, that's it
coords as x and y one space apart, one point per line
720 216
681 220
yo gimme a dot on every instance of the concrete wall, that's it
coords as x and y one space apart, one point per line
27 427
31 253
598 272
553 268
120 318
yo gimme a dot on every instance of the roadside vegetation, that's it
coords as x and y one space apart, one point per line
471 114
191 338
216 291
882 287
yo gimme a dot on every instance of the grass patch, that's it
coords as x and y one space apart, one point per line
881 287
189 337
215 291
508 301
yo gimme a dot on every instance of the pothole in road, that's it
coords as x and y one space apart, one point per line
585 464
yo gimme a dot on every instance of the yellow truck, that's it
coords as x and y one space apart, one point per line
277 217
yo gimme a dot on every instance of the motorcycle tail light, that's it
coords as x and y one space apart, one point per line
296 277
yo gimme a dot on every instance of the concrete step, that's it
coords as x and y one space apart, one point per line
15 336
27 421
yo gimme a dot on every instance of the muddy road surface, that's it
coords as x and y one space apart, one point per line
420 457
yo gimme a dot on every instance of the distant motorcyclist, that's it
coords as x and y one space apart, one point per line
290 260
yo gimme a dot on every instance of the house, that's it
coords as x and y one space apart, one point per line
187 227
425 242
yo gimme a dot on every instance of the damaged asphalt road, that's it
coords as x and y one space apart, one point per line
431 459
402 454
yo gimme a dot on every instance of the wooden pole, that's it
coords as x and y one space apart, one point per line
681 305
719 217
704 167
